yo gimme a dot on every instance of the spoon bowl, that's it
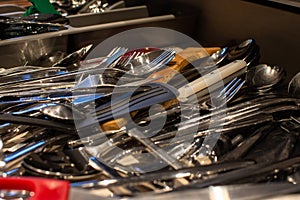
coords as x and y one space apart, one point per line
220 55
263 77
294 86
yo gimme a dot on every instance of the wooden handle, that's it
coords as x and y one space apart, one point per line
194 53
181 60
115 124
165 75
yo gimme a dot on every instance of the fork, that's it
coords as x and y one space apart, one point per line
124 61
224 96
113 55
146 68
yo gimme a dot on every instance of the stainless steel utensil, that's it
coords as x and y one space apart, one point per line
224 96
236 67
149 62
294 86
164 175
73 58
263 77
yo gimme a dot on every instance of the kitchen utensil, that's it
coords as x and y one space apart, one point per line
225 95
157 94
262 169
164 175
89 63
37 122
6 71
70 76
219 55
15 28
107 61
263 77
247 50
31 75
42 188
263 191
236 66
74 57
139 66
191 88
149 62
182 59
245 107
128 56
60 164
34 146
246 145
294 86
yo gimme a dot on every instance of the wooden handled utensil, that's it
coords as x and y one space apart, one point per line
236 68
181 60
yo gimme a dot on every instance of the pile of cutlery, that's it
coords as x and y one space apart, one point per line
151 122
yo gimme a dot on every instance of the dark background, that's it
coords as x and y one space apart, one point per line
276 28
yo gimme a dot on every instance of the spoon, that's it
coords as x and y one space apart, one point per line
259 79
294 86
220 55
264 77
247 50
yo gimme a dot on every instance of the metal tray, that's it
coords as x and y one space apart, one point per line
89 19
22 50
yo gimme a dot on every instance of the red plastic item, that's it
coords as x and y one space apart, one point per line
44 189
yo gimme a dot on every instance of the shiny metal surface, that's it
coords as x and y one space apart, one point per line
245 115
19 51
294 86
89 19
263 77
